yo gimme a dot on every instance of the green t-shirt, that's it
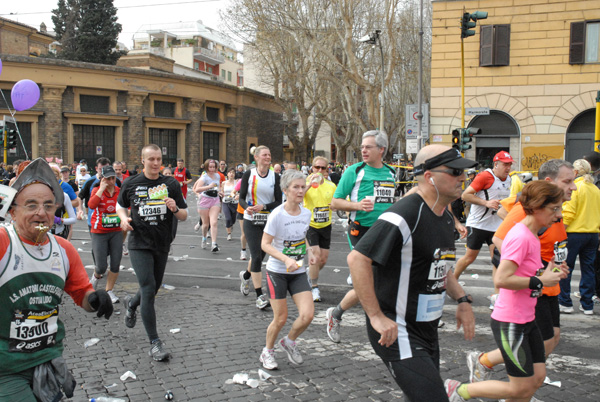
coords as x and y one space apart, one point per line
361 180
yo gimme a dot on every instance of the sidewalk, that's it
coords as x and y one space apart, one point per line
222 333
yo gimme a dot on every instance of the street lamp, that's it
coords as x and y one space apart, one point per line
374 39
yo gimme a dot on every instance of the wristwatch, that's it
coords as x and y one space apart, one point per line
177 210
465 299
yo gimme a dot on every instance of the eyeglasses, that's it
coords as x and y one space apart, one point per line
368 147
34 207
554 209
222 164
320 167
456 172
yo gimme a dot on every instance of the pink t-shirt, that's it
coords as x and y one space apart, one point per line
523 248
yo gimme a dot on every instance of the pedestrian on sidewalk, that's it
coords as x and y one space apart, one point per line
520 278
155 200
284 239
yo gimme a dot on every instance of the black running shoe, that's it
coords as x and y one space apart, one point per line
130 314
158 351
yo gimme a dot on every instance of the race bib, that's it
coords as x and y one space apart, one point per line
153 209
430 307
384 191
295 249
32 330
321 214
443 261
560 252
228 199
260 218
110 221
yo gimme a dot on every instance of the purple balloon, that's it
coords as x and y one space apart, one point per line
25 94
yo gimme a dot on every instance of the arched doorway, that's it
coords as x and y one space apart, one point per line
497 129
580 135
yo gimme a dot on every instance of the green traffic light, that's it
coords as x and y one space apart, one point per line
469 21
479 15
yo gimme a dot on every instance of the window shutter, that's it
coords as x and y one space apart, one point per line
486 41
577 43
502 45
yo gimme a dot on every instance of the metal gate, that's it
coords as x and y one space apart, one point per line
210 149
93 142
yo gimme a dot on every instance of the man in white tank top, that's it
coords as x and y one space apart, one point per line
485 193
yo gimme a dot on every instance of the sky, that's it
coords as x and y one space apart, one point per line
131 13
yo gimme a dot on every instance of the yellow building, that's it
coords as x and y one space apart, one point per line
534 64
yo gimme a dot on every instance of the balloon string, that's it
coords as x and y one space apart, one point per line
12 114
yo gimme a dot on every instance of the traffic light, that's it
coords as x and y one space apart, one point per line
469 20
456 139
11 138
466 136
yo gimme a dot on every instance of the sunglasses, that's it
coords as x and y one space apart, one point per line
320 167
456 172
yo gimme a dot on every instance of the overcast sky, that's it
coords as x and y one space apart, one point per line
131 13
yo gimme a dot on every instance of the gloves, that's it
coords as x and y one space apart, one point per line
57 220
100 302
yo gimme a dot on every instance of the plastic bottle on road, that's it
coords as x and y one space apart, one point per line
107 399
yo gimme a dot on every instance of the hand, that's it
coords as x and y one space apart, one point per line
80 215
103 185
550 277
100 301
170 203
312 260
492 204
465 317
57 220
126 225
290 265
386 327
462 230
366 205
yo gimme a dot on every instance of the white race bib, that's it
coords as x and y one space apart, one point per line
153 209
29 335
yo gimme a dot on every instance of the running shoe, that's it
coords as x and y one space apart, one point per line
316 294
125 249
208 234
113 297
586 312
262 302
477 371
349 280
267 358
197 227
577 294
94 280
565 309
333 326
451 390
228 236
215 248
243 255
493 301
203 244
596 299
130 314
245 285
158 352
291 349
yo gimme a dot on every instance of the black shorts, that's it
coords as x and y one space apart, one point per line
547 315
476 238
521 346
319 237
240 217
279 284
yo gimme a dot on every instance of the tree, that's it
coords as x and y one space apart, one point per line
88 30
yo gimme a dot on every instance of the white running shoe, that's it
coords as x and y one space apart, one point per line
565 309
203 244
451 387
267 358
228 236
113 298
214 248
94 280
477 371
586 312
291 349
245 286
197 227
262 302
243 255
125 249
349 280
493 301
316 294
333 326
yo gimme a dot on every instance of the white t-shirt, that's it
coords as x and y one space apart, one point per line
289 237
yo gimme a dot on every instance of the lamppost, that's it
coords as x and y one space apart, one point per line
374 39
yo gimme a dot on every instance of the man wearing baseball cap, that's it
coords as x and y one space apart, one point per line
485 193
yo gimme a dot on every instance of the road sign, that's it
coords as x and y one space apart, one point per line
477 111
397 157
412 123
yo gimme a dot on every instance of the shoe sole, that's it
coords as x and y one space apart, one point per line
126 304
166 357
264 307
328 317
265 367
289 355
471 369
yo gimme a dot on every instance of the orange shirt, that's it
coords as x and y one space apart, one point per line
555 233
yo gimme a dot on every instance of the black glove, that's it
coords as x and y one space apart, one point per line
100 302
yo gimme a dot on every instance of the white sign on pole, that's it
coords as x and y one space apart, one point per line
98 149
411 146
477 111
412 123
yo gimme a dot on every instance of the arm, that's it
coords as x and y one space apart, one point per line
267 247
464 312
497 242
362 278
271 206
502 213
469 196
345 205
179 213
188 177
72 219
505 276
244 189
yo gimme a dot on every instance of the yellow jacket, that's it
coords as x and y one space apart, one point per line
582 213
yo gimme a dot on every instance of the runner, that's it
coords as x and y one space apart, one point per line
401 270
259 195
520 278
284 241
155 200
370 186
107 239
240 218
317 199
209 205
229 201
31 331
183 176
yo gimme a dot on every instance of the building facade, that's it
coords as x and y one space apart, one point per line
533 64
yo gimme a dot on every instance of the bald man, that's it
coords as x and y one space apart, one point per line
402 268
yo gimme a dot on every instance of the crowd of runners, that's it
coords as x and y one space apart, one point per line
401 255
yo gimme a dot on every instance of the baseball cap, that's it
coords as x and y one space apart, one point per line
65 169
108 171
450 158
503 156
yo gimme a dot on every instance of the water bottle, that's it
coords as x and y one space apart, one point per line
107 399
